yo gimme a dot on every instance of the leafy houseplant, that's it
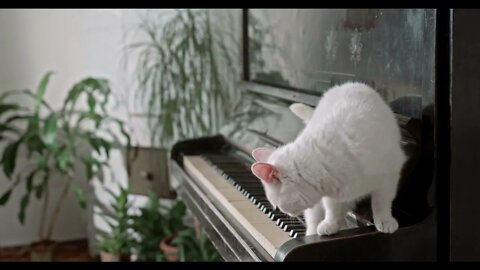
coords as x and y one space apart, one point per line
192 247
184 75
55 142
155 222
163 235
116 245
148 226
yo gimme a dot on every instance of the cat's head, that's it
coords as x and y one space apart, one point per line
282 181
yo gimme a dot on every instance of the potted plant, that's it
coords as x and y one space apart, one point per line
116 244
181 242
173 224
155 222
162 234
149 229
193 247
55 142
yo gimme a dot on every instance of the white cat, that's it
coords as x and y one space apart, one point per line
349 149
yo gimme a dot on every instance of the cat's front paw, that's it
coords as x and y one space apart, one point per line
386 225
327 228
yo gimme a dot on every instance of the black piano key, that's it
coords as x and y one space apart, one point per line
275 214
252 193
250 185
282 221
267 209
259 200
232 170
240 174
298 234
248 179
255 192
288 228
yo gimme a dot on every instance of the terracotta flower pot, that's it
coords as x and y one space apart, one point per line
109 257
170 251
42 251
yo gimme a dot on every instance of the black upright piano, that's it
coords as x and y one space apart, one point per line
294 56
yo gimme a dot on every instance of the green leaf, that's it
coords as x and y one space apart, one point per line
80 194
94 142
50 131
23 206
8 107
40 188
91 102
99 143
34 143
73 95
4 127
91 164
29 182
16 117
42 162
42 87
9 158
95 117
5 197
64 159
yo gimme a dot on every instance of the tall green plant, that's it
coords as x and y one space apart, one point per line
53 141
119 240
184 73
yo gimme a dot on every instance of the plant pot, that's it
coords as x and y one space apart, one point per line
109 257
170 251
42 251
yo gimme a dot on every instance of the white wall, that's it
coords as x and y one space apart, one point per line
33 42
75 44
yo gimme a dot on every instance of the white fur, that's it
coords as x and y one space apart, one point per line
303 111
349 149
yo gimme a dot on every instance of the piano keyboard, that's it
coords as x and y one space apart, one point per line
232 184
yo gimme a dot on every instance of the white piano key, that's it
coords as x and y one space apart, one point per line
263 229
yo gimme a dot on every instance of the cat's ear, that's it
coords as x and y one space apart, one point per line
264 171
303 111
261 154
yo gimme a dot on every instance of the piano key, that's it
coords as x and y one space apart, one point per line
296 234
264 230
259 200
282 221
298 230
251 188
276 213
288 228
266 209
